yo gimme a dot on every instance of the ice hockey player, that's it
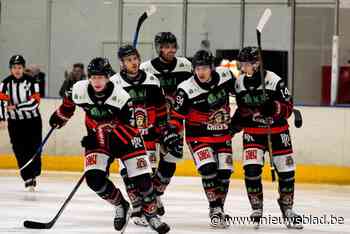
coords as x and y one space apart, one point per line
109 137
254 113
171 71
203 103
147 105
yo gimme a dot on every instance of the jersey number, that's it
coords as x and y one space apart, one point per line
285 93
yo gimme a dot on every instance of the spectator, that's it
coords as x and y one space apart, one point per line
39 76
75 75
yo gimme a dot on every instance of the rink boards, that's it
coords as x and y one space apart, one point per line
321 146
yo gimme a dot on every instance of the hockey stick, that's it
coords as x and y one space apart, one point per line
150 11
39 225
298 119
263 20
39 149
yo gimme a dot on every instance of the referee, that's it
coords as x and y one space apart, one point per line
19 101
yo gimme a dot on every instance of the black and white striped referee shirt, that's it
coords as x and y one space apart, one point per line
24 93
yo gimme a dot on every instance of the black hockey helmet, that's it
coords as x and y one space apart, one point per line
99 66
126 50
248 54
162 38
202 57
17 59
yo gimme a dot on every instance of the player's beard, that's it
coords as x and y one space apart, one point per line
167 58
133 72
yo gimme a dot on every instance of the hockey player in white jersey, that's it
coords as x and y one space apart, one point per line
110 136
171 71
148 115
258 115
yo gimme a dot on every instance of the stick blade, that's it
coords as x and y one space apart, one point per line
151 10
36 225
263 20
298 119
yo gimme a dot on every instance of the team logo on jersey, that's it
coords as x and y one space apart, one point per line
218 120
137 142
137 94
289 161
203 154
97 113
182 65
251 154
254 100
141 163
141 118
214 98
285 139
248 138
90 160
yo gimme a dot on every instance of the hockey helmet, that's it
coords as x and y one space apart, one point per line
127 50
17 59
99 66
202 57
162 38
248 54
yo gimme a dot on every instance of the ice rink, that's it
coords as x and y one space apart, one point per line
185 203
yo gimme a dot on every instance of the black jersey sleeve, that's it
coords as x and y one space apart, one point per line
180 110
283 100
161 116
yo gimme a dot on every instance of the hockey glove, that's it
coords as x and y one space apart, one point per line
171 139
56 121
89 142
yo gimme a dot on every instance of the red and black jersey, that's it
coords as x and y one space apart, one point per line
204 107
107 107
170 75
250 101
146 103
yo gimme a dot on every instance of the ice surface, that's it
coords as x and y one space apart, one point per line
186 206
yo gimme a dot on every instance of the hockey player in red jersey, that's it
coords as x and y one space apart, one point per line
254 113
171 71
110 136
148 110
202 102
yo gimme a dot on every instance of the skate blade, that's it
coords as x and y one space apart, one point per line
139 223
297 227
256 226
127 221
218 226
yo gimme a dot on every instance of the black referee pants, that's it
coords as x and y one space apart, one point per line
26 137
